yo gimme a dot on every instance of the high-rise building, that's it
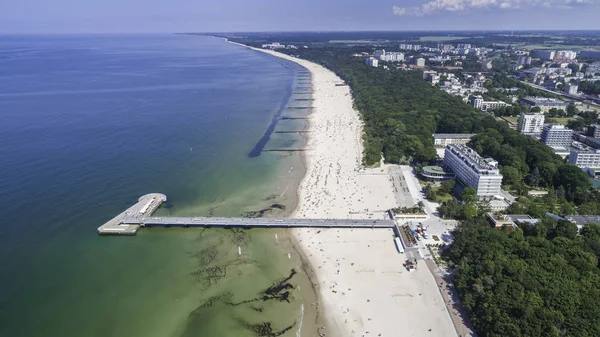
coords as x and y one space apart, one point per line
571 89
593 131
379 53
557 136
565 55
474 171
524 60
477 102
372 62
585 158
531 124
420 62
545 54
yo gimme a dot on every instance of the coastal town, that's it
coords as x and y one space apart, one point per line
422 168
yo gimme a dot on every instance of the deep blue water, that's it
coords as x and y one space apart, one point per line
90 123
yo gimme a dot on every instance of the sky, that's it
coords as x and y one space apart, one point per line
155 16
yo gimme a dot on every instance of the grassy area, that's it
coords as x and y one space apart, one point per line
442 197
439 197
562 121
511 119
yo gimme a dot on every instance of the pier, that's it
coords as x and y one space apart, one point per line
140 215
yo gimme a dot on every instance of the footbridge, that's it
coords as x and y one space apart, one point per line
140 215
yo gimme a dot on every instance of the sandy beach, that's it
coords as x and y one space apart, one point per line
363 286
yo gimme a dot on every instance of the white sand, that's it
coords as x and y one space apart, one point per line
374 294
385 299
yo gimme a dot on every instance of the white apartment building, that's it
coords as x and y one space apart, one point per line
565 54
557 136
585 159
274 45
571 89
382 55
372 62
420 62
474 171
443 139
523 60
531 124
479 103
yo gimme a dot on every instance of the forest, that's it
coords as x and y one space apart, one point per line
540 280
590 88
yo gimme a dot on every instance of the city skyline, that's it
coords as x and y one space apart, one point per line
134 16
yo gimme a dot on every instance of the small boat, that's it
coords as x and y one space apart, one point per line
239 250
289 255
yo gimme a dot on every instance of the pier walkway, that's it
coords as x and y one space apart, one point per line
139 215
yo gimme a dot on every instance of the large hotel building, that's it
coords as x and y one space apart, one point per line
474 171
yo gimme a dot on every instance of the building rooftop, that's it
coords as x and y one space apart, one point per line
453 135
556 127
436 170
582 148
543 100
579 220
473 159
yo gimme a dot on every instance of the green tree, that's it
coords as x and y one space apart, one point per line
510 175
447 186
571 109
573 180
535 177
574 67
429 192
576 124
469 195
560 193
469 211
565 229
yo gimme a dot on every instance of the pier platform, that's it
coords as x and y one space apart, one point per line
145 206
140 215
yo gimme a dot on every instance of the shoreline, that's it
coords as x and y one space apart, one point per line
321 318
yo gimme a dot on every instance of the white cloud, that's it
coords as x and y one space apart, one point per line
436 6
399 10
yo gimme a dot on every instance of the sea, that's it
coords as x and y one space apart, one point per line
88 124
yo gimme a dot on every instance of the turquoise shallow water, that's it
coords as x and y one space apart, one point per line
90 123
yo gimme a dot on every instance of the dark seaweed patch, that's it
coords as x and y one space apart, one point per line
265 329
278 291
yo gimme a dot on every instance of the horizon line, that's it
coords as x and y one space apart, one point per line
470 30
